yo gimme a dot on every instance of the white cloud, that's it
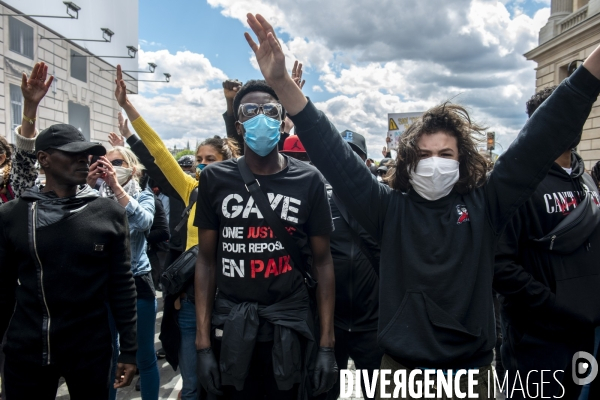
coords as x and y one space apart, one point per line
187 69
186 109
373 59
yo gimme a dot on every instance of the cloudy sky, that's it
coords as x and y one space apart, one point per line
363 60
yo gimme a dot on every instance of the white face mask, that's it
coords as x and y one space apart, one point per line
435 177
123 174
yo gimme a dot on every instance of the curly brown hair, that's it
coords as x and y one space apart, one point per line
5 148
455 121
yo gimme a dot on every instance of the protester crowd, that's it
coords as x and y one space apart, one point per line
282 250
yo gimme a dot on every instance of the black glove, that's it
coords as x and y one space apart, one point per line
326 371
208 372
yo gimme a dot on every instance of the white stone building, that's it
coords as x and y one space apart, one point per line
571 34
83 90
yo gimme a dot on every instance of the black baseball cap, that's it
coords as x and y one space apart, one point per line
67 138
356 141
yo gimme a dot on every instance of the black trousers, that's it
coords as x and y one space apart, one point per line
86 375
362 348
530 352
260 383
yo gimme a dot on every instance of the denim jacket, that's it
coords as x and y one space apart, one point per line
140 215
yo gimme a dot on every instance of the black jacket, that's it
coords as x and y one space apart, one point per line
60 271
176 206
544 292
437 257
288 322
356 281
159 231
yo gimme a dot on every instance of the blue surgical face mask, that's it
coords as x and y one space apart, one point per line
262 134
199 169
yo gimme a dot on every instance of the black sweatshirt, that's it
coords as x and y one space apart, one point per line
437 257
356 281
85 268
545 293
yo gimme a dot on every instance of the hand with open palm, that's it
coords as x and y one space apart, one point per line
271 61
35 87
268 51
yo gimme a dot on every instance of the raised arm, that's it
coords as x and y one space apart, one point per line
352 181
141 151
33 88
546 135
181 182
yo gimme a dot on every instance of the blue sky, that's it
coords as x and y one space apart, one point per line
357 71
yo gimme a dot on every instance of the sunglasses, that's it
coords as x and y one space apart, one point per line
117 163
272 110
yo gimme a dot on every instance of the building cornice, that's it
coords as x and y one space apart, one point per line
586 29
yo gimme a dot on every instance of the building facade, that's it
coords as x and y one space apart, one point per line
571 34
82 93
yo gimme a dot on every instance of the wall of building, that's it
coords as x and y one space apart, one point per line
553 58
96 92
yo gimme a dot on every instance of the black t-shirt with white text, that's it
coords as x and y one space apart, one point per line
252 265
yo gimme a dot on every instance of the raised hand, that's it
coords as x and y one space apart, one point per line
123 127
268 51
297 74
230 88
121 96
36 86
121 89
115 140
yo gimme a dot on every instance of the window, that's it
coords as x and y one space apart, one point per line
79 117
78 66
16 108
20 37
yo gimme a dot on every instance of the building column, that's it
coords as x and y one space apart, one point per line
559 9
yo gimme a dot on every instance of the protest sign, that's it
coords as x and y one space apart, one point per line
398 123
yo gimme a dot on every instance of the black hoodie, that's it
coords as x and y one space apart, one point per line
437 257
59 275
544 292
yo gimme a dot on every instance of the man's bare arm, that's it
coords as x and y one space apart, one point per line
205 285
322 270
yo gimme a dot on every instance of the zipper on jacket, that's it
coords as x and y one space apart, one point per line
48 321
552 242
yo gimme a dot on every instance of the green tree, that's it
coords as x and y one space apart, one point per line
183 153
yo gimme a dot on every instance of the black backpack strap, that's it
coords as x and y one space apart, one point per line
185 215
288 242
355 236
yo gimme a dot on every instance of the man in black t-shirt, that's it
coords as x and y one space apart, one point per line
261 324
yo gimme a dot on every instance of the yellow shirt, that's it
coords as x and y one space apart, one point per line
181 182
